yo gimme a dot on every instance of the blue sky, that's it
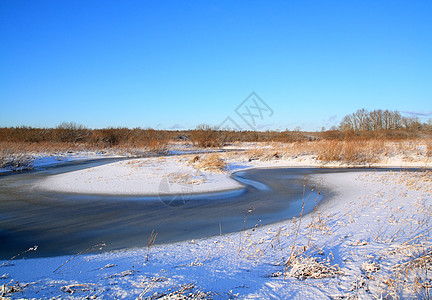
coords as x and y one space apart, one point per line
176 64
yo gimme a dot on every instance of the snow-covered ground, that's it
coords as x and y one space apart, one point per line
143 176
370 240
178 174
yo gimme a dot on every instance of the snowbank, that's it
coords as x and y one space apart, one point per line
142 176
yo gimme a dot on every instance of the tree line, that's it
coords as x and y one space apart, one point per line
359 125
378 120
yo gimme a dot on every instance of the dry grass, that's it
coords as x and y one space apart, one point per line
20 254
429 148
420 180
353 152
92 248
186 291
211 162
303 267
349 152
70 137
13 287
18 155
411 279
330 151
16 162
151 241
345 152
8 148
264 154
185 178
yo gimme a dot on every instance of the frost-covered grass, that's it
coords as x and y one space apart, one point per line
16 162
370 240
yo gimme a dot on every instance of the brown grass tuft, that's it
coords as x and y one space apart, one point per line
349 152
262 154
329 151
212 162
429 148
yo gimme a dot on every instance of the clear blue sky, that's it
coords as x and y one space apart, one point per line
176 64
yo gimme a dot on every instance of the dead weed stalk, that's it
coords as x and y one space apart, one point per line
98 247
151 241
24 252
287 263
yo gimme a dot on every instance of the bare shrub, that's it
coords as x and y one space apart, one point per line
71 132
153 140
107 137
207 136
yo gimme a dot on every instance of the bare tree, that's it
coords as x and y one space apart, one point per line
376 120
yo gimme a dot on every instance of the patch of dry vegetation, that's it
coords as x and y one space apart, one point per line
264 154
429 148
212 162
419 180
73 137
304 267
206 136
349 147
185 178
339 152
16 162
349 152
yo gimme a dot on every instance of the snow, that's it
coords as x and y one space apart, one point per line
143 176
371 237
176 175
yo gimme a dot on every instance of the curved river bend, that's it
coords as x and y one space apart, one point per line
61 223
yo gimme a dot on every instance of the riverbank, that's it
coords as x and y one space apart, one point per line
371 239
205 171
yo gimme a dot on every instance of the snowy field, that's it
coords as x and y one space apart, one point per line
371 240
